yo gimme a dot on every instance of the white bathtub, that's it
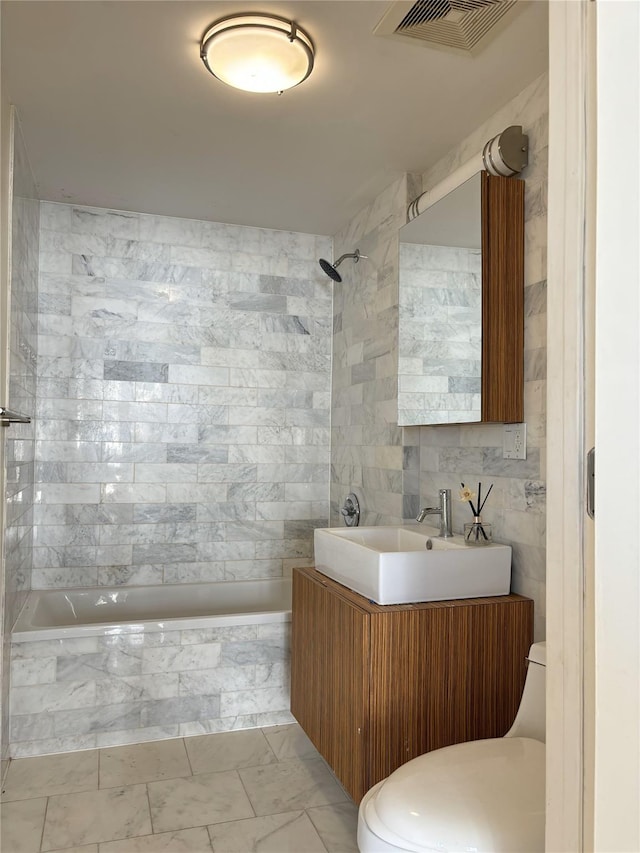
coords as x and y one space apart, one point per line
65 613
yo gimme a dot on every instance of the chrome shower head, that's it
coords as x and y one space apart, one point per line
332 269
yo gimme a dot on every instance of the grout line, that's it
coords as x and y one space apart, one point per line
333 806
122 785
269 747
44 823
317 831
209 836
99 751
6 772
153 831
244 788
184 745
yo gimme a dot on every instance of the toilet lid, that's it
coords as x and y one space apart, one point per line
486 795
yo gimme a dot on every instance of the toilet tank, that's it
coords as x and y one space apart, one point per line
530 720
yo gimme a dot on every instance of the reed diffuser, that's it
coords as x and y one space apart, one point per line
476 532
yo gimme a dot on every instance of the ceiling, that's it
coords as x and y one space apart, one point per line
118 110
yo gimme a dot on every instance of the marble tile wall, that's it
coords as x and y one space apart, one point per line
20 438
440 334
517 506
90 692
394 470
370 454
183 399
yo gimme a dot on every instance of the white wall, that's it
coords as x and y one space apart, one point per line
617 727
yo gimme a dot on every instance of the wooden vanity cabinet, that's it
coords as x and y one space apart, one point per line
374 686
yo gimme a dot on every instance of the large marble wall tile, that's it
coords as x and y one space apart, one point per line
122 688
33 671
30 748
93 720
180 710
179 659
207 681
37 699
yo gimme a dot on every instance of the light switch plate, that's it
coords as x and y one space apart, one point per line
514 441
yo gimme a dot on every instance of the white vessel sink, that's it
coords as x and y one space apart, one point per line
409 563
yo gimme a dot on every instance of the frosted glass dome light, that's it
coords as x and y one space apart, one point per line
257 53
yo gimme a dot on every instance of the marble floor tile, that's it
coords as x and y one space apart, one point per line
274 773
198 801
228 751
291 785
337 825
290 742
21 825
194 840
47 775
290 832
95 816
143 762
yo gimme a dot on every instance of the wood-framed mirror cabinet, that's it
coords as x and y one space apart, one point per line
461 307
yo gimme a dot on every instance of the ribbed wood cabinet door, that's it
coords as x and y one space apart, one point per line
330 678
444 675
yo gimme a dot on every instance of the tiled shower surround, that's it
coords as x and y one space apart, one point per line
183 399
182 436
89 692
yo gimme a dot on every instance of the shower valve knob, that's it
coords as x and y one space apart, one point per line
351 511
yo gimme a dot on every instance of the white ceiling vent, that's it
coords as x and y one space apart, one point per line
458 25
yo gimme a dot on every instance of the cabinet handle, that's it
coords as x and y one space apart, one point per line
591 483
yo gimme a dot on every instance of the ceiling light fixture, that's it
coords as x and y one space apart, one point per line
257 53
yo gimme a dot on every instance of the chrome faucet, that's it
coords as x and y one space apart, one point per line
444 511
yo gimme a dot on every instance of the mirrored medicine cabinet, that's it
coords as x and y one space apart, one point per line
461 307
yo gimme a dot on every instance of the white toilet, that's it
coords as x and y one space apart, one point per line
485 796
